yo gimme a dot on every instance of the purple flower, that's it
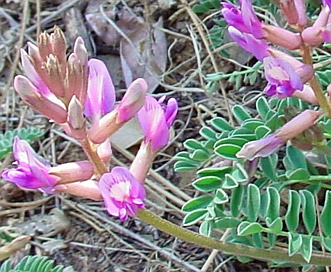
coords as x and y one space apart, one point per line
260 148
156 120
257 47
32 170
122 193
266 146
243 18
100 92
283 81
327 3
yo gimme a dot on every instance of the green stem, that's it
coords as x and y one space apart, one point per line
234 249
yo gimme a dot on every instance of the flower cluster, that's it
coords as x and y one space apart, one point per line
286 75
78 94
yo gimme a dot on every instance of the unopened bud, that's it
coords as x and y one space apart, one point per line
58 44
55 78
294 11
133 100
76 118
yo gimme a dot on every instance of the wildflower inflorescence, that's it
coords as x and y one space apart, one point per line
78 94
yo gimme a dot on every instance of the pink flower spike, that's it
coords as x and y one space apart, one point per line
155 121
100 91
32 170
122 193
260 148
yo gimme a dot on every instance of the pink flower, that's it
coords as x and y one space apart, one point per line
327 3
257 47
283 81
156 120
32 170
100 92
122 193
270 144
131 103
244 18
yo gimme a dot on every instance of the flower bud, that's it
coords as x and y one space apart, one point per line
132 101
319 32
76 119
46 104
294 11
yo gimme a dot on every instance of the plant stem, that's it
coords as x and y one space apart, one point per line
234 249
93 156
314 84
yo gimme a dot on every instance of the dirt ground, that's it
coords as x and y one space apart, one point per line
78 232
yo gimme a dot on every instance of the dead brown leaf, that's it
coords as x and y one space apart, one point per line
144 55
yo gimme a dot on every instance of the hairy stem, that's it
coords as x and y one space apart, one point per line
234 249
314 84
91 152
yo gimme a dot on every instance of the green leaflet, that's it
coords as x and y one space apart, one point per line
253 202
228 151
207 184
221 124
269 165
308 210
262 107
326 215
240 113
293 211
294 243
27 134
307 247
273 203
197 203
237 200
194 217
34 264
248 228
